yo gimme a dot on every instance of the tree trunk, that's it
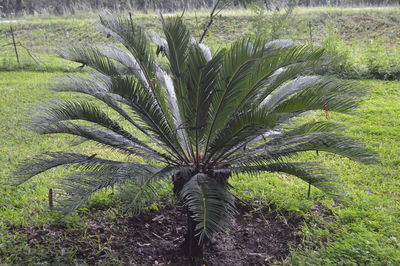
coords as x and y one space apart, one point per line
192 247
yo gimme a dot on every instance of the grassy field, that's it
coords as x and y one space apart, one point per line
368 35
364 231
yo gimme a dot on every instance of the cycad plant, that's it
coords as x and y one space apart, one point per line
198 119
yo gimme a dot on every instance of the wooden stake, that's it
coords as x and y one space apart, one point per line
50 198
15 45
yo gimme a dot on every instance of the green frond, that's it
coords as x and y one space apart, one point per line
74 190
307 128
244 128
92 57
137 42
237 65
49 160
144 189
313 174
257 144
131 66
98 88
324 94
202 82
325 141
178 40
276 68
285 64
291 87
210 203
84 110
251 79
146 106
177 45
94 174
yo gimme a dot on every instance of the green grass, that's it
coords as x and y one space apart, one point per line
362 231
365 230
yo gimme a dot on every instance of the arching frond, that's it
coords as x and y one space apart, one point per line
92 57
254 81
126 60
325 94
324 179
95 174
98 88
135 39
144 189
83 110
73 190
290 145
210 203
49 160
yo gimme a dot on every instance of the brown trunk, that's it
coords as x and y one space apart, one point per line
192 247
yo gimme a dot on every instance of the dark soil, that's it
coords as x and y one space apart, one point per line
153 238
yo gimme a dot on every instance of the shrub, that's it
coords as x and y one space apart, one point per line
195 123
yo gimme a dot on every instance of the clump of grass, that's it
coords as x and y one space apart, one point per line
382 62
341 54
272 25
374 60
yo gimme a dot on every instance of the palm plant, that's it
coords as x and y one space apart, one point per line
198 119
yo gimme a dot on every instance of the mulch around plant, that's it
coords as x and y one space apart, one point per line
153 238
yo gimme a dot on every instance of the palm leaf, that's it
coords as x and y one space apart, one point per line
290 145
313 174
246 80
84 110
91 57
135 39
211 204
49 160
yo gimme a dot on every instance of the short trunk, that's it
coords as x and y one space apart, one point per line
192 247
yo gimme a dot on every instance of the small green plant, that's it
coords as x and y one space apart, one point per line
382 62
339 53
272 25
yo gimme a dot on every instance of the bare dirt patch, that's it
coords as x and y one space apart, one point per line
153 238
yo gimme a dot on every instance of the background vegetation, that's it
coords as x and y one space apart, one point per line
19 7
362 232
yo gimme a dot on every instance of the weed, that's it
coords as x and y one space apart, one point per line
381 62
274 25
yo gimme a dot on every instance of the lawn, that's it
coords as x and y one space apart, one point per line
362 231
